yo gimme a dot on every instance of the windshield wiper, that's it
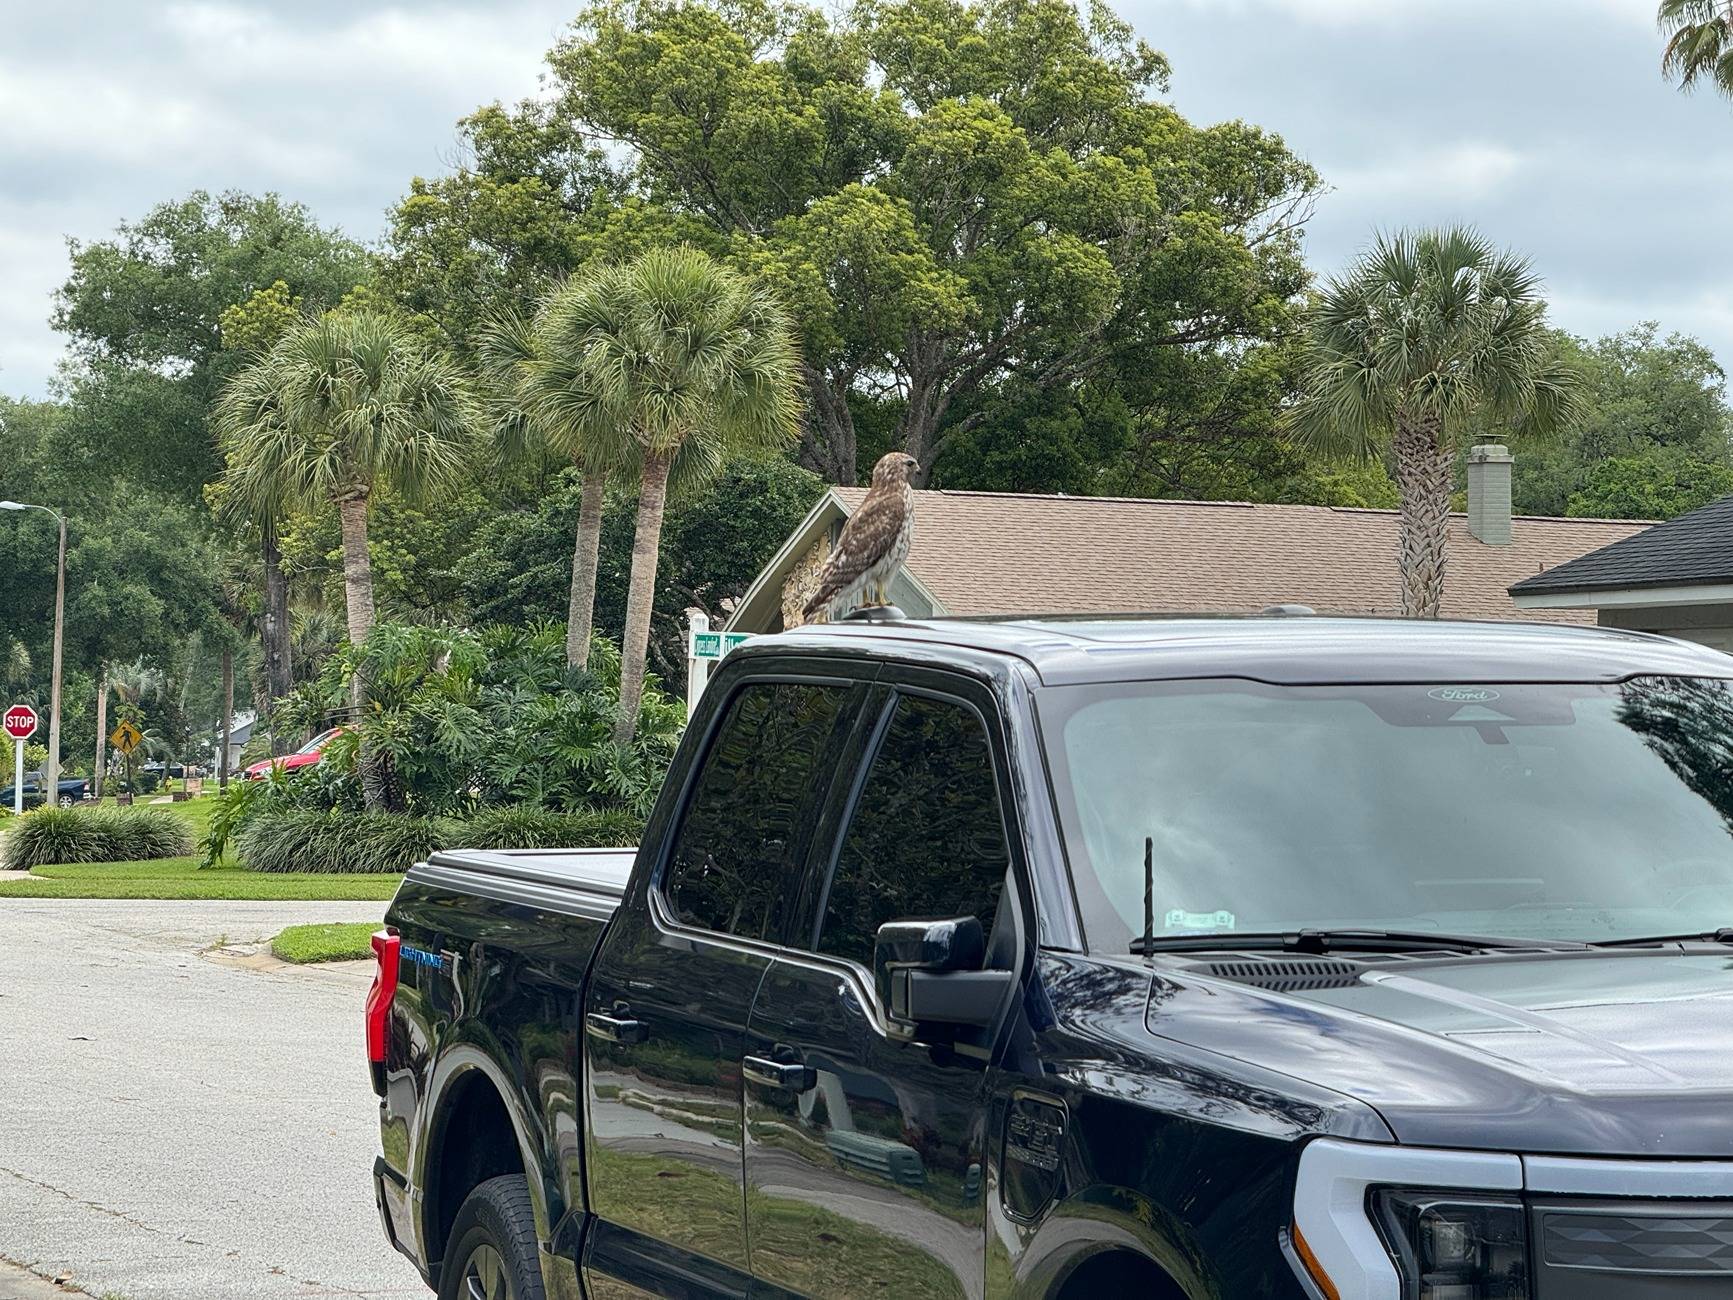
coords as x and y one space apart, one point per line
1325 941
1723 935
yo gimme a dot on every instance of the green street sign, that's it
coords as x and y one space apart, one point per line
714 645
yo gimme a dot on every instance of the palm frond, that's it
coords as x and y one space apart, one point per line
344 400
1430 324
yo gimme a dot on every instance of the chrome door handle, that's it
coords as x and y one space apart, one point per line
615 1029
791 1075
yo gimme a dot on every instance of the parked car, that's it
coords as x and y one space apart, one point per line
69 791
1274 957
306 756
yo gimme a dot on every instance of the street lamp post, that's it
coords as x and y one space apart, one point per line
51 776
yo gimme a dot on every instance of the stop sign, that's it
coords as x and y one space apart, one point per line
20 722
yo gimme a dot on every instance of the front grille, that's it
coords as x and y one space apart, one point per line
1634 1250
1639 1244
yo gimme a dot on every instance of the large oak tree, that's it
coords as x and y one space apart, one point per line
951 197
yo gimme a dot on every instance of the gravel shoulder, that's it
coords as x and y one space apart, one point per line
180 1121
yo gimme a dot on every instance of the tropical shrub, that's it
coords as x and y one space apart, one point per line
229 812
464 720
528 827
336 841
61 835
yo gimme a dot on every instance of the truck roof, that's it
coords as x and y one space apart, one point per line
1284 648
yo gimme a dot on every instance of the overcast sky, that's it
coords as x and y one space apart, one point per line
1544 121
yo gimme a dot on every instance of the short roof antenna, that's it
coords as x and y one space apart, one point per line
1148 893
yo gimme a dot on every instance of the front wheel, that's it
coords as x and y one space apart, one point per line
492 1253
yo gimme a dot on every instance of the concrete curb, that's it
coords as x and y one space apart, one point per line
20 1283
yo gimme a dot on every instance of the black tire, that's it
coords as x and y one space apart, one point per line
492 1253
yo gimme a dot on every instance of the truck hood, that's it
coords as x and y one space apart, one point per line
1624 1052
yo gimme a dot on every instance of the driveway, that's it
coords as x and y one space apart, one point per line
178 1126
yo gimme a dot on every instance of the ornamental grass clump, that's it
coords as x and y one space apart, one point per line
55 836
529 827
297 839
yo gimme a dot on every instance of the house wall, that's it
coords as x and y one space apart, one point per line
801 581
1710 625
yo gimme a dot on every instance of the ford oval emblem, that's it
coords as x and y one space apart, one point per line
1463 694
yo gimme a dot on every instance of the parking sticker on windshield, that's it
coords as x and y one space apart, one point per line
1179 920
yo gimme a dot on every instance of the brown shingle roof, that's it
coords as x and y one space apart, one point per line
996 553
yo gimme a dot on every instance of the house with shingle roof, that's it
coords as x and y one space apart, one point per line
985 553
1676 578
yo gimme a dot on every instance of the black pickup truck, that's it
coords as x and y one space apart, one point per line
67 791
1268 957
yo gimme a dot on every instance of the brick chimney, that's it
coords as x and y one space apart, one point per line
1489 493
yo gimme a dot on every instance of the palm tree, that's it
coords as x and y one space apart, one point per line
1425 330
344 405
539 399
1699 42
688 362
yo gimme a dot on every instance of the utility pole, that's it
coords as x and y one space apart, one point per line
51 784
51 770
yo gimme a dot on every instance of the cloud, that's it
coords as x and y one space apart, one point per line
1545 122
1470 169
110 107
1400 13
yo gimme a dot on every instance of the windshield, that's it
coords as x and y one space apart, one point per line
314 745
1524 811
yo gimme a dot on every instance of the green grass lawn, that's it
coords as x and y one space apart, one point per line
181 878
342 941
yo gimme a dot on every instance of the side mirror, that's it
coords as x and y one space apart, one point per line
929 973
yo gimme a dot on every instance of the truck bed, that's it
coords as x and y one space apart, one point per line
496 946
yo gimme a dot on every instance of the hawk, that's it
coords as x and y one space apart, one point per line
874 542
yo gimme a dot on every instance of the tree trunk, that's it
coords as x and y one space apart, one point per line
581 612
228 716
827 437
358 597
641 597
928 401
101 730
279 675
1423 478
357 567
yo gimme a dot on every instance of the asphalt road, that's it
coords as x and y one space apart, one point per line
175 1125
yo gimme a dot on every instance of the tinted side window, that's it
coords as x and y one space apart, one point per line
740 841
926 840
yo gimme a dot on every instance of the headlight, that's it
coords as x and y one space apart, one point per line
1361 1233
1454 1247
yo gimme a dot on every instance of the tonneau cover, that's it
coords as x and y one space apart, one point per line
589 871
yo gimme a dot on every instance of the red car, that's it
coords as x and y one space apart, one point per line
306 756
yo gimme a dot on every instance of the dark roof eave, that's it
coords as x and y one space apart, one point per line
1539 586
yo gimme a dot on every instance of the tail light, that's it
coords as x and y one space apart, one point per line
385 954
